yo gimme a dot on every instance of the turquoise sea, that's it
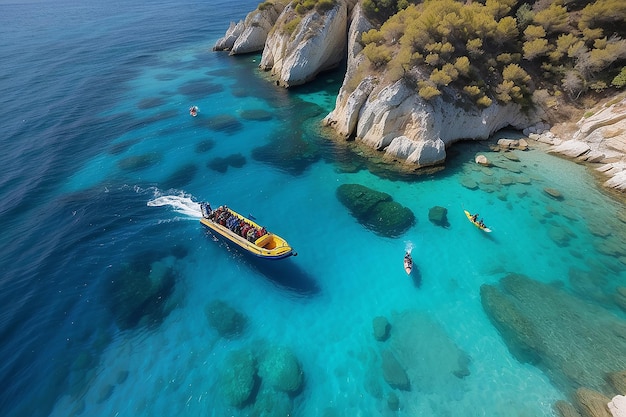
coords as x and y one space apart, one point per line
116 300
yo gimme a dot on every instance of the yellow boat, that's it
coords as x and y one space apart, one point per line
245 233
480 226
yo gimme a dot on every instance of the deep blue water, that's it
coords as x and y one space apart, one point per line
101 171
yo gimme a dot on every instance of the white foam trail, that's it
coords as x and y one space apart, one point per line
408 247
180 204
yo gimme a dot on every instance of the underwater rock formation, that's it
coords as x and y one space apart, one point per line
393 372
280 368
575 343
262 379
228 322
375 210
381 328
411 361
439 216
139 292
237 379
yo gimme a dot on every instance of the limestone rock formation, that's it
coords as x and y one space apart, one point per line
318 43
394 119
617 406
237 377
250 35
349 103
601 138
482 160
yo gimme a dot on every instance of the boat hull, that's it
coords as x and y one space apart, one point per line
269 246
408 264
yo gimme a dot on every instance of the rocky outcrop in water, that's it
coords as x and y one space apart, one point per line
375 210
390 116
317 43
394 119
251 34
599 138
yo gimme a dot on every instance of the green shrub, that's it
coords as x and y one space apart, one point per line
524 16
535 48
428 92
265 5
472 90
462 65
291 25
484 101
534 32
620 79
378 55
324 5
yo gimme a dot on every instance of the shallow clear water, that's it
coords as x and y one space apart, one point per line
101 173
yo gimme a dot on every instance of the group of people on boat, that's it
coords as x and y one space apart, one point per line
478 222
223 216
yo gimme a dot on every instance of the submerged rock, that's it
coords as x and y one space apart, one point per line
139 292
381 328
592 403
237 378
280 368
439 215
565 409
553 192
225 319
575 343
618 381
424 351
393 372
375 210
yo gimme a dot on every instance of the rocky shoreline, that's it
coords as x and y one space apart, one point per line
391 117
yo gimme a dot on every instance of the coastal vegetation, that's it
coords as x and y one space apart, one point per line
529 53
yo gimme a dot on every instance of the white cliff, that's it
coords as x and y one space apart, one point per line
348 104
317 43
601 139
396 120
250 35
390 116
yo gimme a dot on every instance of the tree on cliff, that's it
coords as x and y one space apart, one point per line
505 49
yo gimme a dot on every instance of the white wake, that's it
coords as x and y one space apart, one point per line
180 203
408 248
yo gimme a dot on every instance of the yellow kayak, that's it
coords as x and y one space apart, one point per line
477 224
245 233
